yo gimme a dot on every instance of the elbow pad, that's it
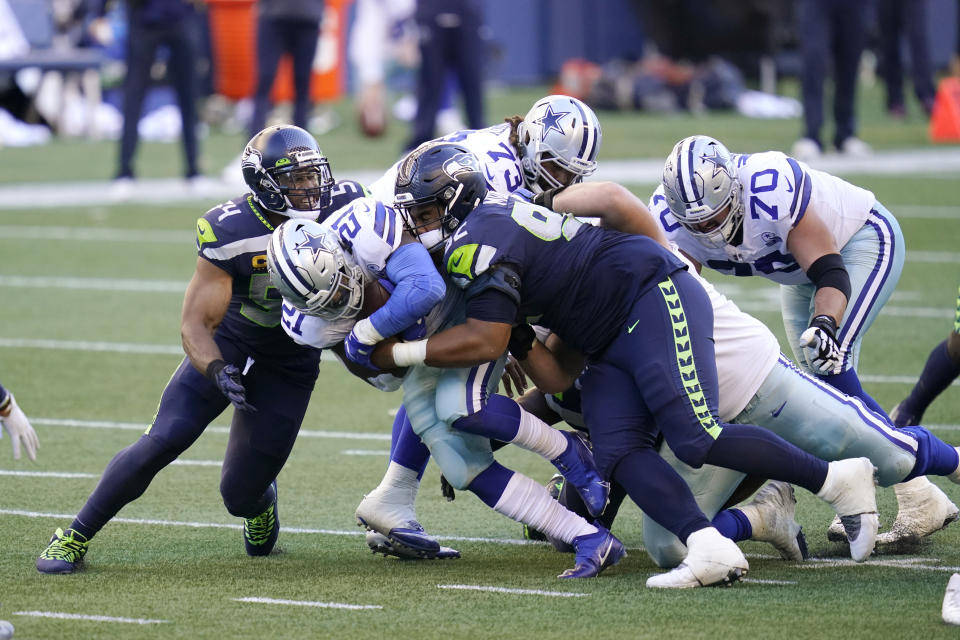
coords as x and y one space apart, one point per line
419 287
829 271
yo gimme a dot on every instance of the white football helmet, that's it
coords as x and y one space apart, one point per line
313 272
560 130
699 181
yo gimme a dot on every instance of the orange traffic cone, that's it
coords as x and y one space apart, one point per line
945 119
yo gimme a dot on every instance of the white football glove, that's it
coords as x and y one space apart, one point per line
820 346
20 431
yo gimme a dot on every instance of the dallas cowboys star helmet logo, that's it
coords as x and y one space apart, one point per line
717 160
313 243
550 120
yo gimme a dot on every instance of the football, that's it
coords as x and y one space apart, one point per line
374 297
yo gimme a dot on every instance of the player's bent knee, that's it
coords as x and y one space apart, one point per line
693 454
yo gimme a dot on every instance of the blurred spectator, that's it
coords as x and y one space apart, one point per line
830 31
151 24
286 26
906 17
449 32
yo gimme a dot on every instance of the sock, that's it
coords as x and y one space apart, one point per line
124 480
939 371
934 456
503 419
401 478
660 492
848 382
529 503
733 524
756 451
490 483
406 448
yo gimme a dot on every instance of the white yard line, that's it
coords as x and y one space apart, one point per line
522 592
95 284
96 234
80 616
307 603
48 474
365 452
218 525
133 426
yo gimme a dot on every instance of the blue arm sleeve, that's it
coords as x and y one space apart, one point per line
419 287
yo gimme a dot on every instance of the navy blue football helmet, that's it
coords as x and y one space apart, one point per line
287 172
445 174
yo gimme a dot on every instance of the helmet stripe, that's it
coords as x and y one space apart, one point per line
586 131
678 163
291 277
693 175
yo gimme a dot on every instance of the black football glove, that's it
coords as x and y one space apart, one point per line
446 489
227 378
521 342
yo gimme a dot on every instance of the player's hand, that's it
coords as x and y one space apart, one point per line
820 345
228 380
513 378
20 431
521 341
446 489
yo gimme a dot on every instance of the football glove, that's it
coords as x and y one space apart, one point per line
820 346
446 489
227 378
360 343
20 431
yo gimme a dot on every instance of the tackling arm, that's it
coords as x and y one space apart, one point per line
204 304
614 204
553 366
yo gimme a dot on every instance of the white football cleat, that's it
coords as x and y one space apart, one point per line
711 559
390 512
923 509
850 488
951 601
771 515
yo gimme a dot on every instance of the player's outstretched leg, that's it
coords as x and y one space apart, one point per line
503 419
712 559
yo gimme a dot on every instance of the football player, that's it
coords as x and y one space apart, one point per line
759 385
236 353
645 325
438 403
835 250
17 426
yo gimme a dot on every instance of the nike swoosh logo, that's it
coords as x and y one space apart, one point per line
779 409
789 186
606 553
458 260
633 326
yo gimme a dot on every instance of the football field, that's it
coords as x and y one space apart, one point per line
89 335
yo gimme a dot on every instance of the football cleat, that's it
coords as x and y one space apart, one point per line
712 559
261 532
850 488
950 612
923 509
380 543
64 553
577 466
771 515
595 552
390 513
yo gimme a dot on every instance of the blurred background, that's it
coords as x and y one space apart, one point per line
654 70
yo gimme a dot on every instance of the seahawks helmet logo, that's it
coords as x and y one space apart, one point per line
460 164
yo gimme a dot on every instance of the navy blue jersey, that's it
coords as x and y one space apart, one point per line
234 237
578 280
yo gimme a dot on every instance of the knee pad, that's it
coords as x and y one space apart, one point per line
460 456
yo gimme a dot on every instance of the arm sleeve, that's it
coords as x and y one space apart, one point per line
419 287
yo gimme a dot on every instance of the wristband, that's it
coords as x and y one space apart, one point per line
214 368
366 333
409 354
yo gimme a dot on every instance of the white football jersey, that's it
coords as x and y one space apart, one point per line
777 191
498 159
